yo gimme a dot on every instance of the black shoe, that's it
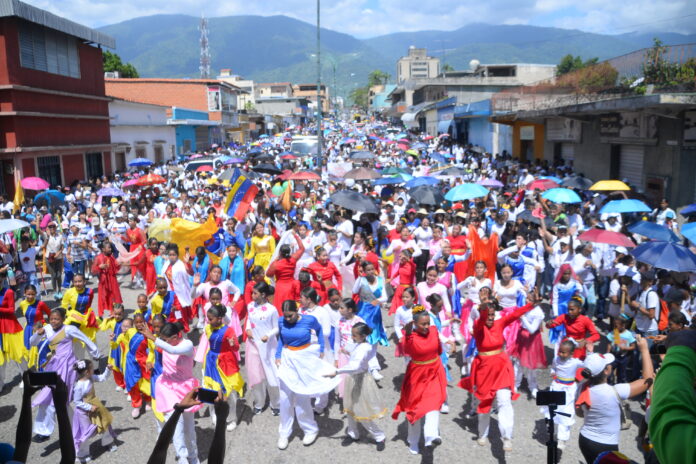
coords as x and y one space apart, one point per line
257 411
275 412
40 438
381 445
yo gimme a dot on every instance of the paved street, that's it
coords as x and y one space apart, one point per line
255 438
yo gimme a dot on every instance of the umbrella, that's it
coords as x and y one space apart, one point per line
226 175
419 146
426 195
395 170
689 210
304 175
606 236
421 181
578 182
150 179
34 183
625 206
8 225
561 195
553 178
362 155
139 162
466 192
204 168
390 180
264 157
49 198
111 192
234 160
490 183
266 168
689 231
288 156
653 231
666 255
451 171
354 201
541 184
129 183
527 215
362 174
610 185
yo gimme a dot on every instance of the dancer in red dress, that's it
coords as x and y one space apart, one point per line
106 267
136 238
327 272
424 389
492 375
151 254
403 278
283 270
578 327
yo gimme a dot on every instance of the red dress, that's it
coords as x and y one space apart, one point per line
459 247
150 273
286 285
580 328
327 272
108 291
136 237
370 257
492 369
405 277
424 388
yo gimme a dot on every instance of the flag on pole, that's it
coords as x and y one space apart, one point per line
240 196
19 193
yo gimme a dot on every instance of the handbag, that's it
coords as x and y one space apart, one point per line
623 407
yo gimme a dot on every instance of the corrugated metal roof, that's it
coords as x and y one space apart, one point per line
9 8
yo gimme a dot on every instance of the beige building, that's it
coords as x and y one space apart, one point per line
416 65
246 85
309 91
274 90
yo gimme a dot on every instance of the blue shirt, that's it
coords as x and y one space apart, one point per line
299 333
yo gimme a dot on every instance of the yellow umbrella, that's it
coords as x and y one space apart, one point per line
610 185
212 180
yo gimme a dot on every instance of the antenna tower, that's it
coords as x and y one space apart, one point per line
205 49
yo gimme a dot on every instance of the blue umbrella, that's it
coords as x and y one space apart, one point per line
437 157
689 231
653 231
625 206
390 180
666 255
688 210
263 136
419 146
466 192
421 181
49 198
111 192
553 178
561 195
138 162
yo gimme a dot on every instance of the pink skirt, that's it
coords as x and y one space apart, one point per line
169 392
254 367
529 349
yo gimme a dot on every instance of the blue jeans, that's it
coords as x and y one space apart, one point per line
602 296
78 267
591 299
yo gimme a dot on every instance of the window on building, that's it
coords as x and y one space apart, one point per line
159 154
47 50
140 152
187 146
120 164
49 169
95 167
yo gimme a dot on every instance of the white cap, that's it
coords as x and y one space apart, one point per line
621 250
596 362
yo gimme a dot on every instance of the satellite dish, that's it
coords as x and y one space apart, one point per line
473 64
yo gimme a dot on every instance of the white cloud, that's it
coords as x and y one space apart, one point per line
366 18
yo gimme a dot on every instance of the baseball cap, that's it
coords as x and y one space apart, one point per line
412 210
621 250
596 362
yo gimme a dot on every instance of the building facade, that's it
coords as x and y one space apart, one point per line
54 113
416 65
309 91
274 90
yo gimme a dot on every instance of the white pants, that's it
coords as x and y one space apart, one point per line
185 437
258 394
45 420
521 372
431 426
562 432
506 416
321 402
373 364
372 428
291 405
232 401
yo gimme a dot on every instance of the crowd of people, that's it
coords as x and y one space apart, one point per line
289 294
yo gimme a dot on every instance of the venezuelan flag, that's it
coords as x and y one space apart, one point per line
220 368
240 196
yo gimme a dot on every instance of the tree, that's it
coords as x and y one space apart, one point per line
447 68
571 63
359 97
377 77
112 63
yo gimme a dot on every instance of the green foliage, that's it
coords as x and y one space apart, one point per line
589 79
112 63
570 63
377 77
447 68
249 106
662 73
359 97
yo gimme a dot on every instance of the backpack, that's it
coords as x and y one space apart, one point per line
663 316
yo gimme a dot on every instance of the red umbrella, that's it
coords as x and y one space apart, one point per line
288 157
285 174
304 175
402 146
606 236
404 140
150 179
204 168
428 137
34 183
542 184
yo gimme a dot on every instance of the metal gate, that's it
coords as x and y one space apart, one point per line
631 166
568 153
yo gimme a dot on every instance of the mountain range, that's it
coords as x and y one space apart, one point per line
282 49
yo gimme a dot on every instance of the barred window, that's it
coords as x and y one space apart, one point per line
47 50
49 169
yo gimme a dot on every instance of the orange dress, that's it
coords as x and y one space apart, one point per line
136 237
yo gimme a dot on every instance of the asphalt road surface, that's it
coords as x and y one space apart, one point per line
255 438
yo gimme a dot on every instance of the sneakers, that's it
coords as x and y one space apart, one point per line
257 411
534 393
148 407
434 442
135 413
275 411
413 451
119 389
381 445
282 443
231 426
444 409
561 444
507 444
376 375
483 441
309 438
352 435
113 448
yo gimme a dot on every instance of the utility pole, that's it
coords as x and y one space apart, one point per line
205 49
320 132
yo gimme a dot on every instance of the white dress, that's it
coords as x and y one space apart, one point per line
262 320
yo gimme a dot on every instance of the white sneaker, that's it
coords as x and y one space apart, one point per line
376 375
119 389
213 419
561 444
444 409
434 442
113 448
231 426
534 393
483 441
135 413
414 451
309 438
282 443
507 444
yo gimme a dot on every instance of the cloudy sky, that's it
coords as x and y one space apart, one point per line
367 18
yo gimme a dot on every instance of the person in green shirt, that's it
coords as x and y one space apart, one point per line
673 409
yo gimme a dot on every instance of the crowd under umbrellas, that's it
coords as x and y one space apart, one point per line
386 184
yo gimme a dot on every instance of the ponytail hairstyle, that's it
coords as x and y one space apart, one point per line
594 380
349 304
264 289
60 311
159 317
319 250
332 291
285 251
311 294
257 270
576 301
363 329
419 311
82 366
411 291
433 299
215 291
171 329
569 343
370 243
304 277
290 305
217 310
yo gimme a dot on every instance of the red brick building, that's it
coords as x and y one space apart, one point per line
54 114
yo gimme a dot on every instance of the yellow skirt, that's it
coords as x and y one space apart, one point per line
33 357
158 415
233 382
13 348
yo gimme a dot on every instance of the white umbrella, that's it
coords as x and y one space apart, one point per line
9 225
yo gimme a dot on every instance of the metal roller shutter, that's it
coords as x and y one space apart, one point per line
631 166
568 152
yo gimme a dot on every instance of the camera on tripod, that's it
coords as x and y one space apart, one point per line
551 399
547 398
